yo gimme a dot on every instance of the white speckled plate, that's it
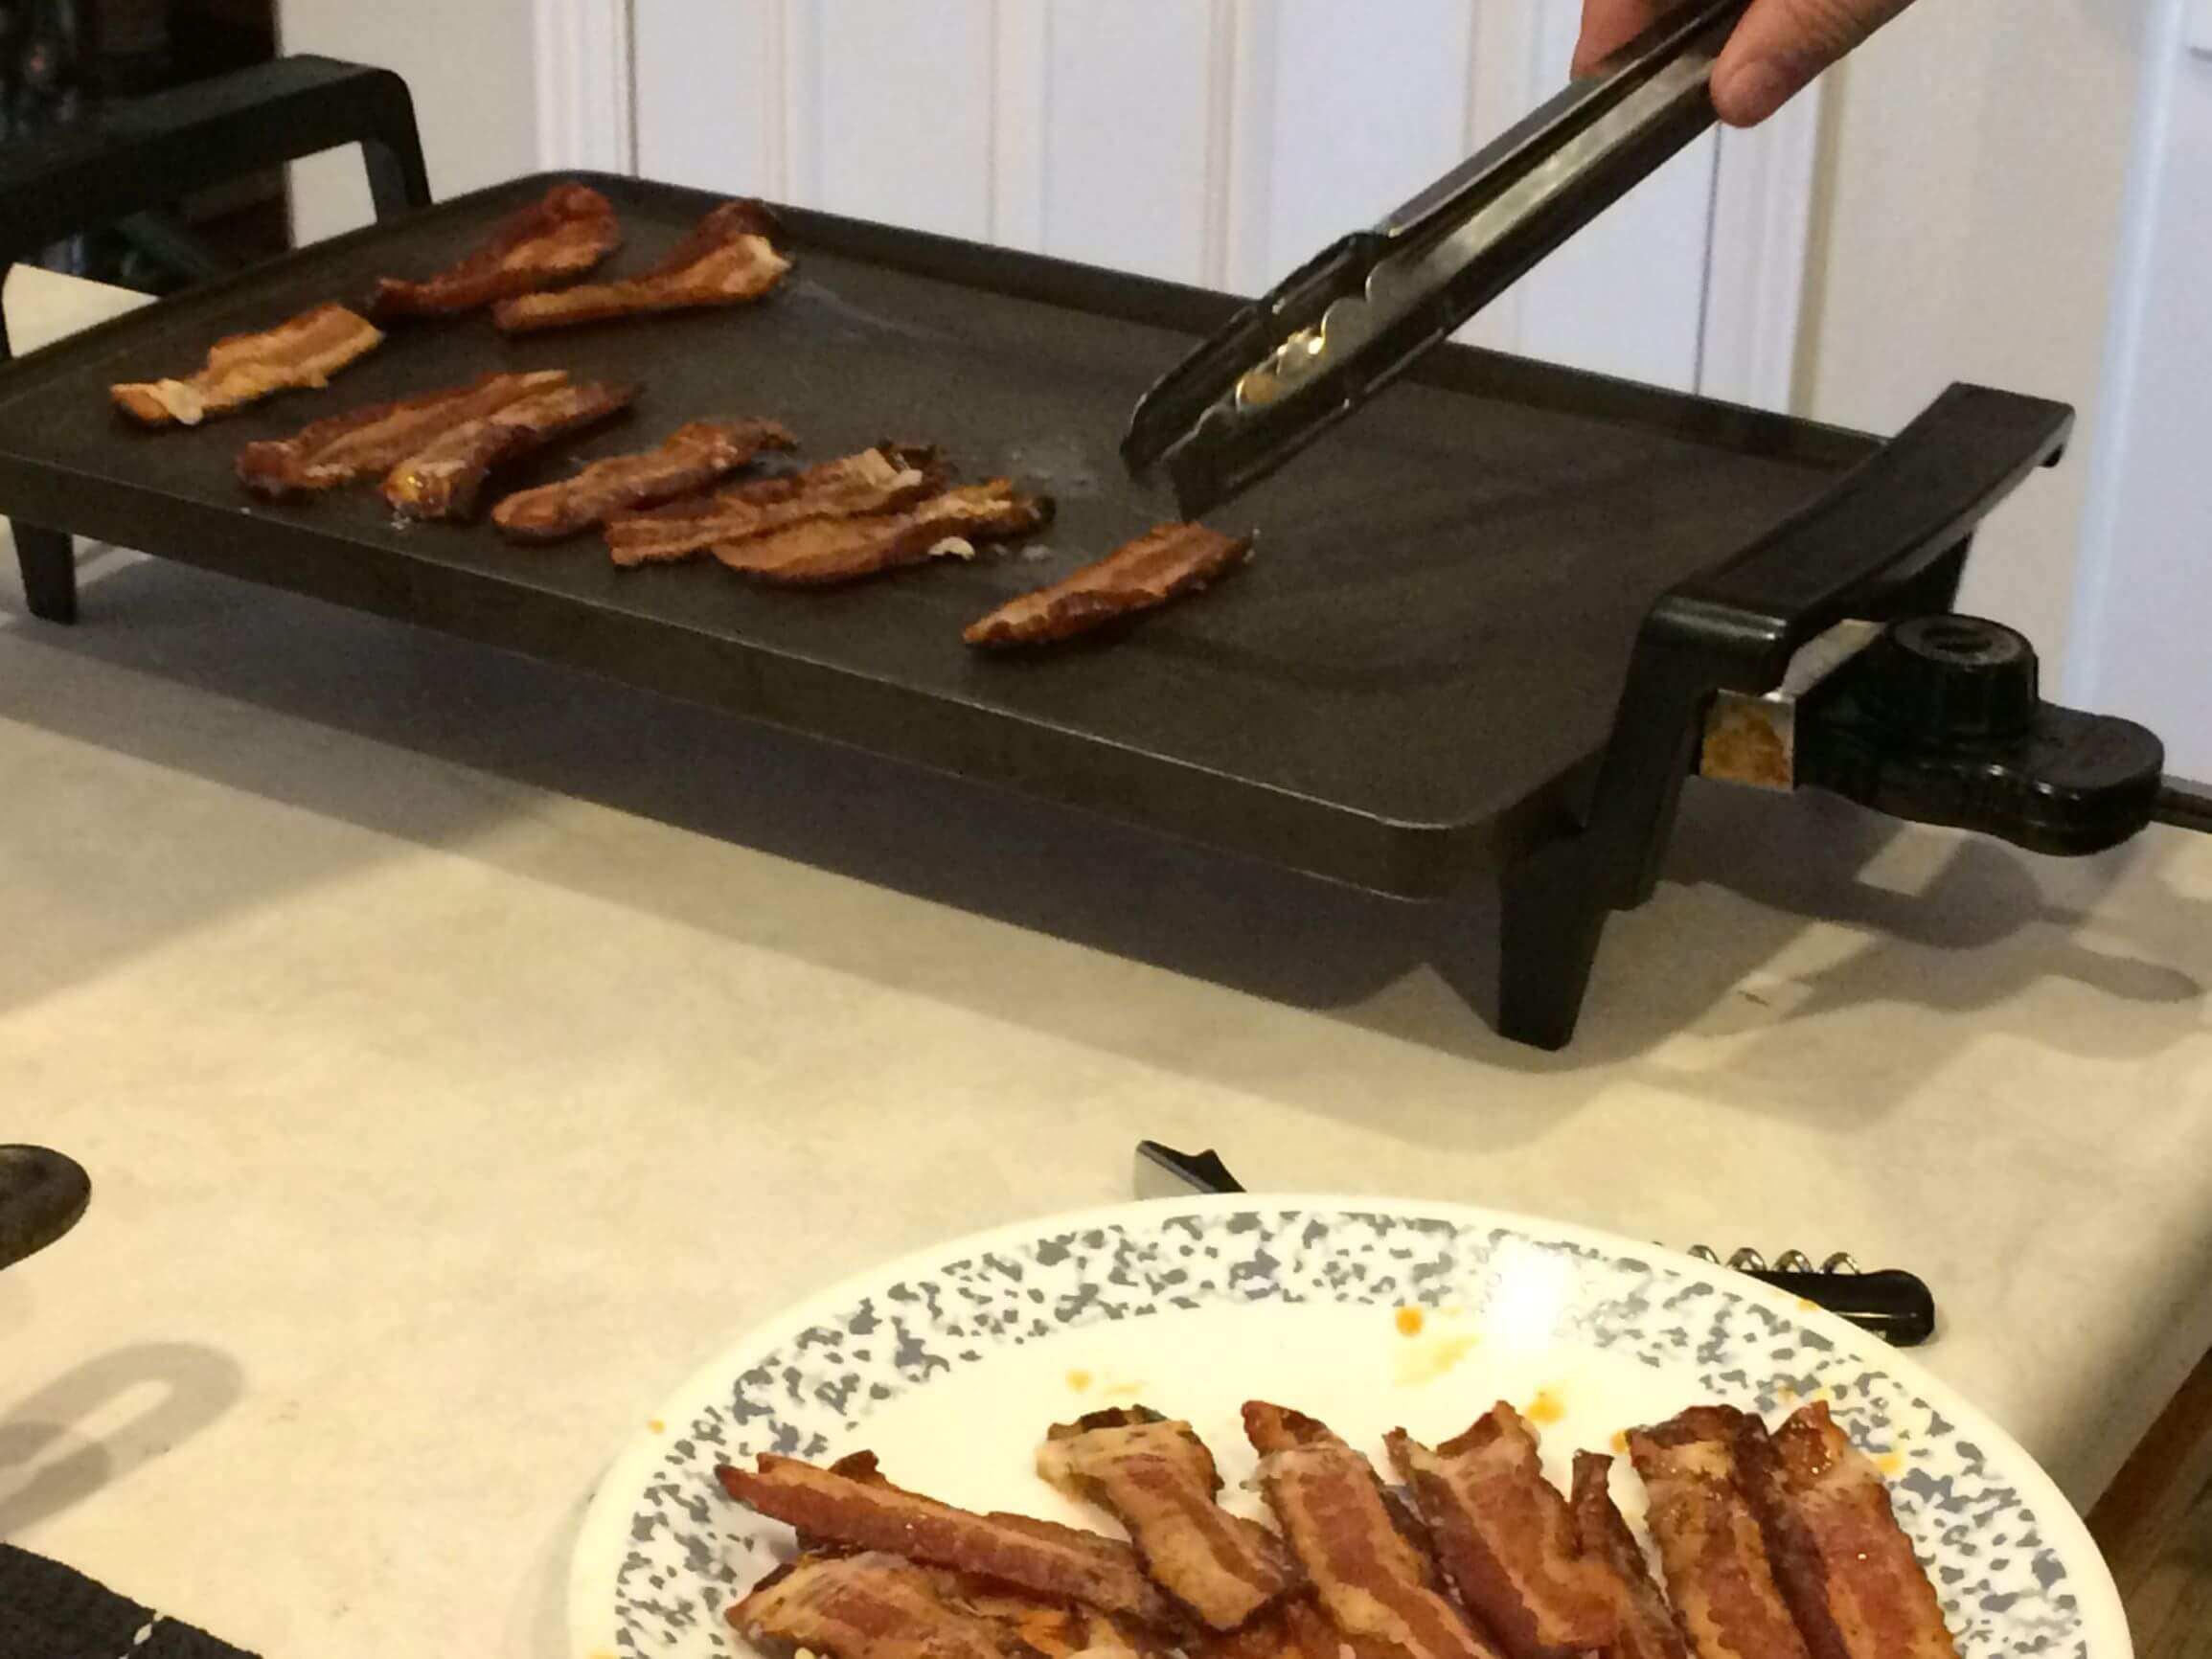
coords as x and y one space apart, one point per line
952 1364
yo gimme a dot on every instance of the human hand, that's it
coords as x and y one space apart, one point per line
1775 52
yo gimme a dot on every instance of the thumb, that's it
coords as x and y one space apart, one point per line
1782 45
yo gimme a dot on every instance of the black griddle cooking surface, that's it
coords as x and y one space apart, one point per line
1430 641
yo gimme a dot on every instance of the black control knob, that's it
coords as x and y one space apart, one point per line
1941 680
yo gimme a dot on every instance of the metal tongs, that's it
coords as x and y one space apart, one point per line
1295 362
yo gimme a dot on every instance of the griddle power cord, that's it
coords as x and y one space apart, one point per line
2184 806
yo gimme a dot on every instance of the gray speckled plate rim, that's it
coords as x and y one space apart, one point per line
607 1518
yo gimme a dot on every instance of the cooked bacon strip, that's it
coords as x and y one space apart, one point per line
727 260
1506 1540
243 369
1293 1628
1647 1623
689 459
1377 1588
557 239
442 479
835 550
374 439
1054 1629
1161 565
865 1606
880 479
1159 1479
1057 1562
1845 1566
1710 1544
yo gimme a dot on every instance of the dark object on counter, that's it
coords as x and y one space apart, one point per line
42 1195
1455 663
56 1612
1894 1305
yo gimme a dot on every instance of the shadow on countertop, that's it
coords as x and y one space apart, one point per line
1949 924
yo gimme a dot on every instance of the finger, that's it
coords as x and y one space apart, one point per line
1782 45
1608 25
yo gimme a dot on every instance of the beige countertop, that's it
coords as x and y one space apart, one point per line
464 1049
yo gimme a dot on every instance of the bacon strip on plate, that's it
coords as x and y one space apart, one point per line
689 459
1506 1538
371 441
1159 1479
1845 1566
825 551
864 1607
243 369
442 479
727 260
1378 1589
869 1513
1710 1541
557 239
880 479
1647 1623
1171 561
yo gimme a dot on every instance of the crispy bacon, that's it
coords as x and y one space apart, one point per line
243 369
557 239
1710 1543
1159 1479
880 479
373 440
1506 1540
1052 1562
1293 1628
1647 1623
727 260
442 479
864 1607
833 549
1844 1564
1053 1629
1377 1588
1160 566
689 459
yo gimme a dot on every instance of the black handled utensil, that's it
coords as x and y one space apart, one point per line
1894 1305
1301 358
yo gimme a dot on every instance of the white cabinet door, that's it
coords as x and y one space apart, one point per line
2145 606
1219 142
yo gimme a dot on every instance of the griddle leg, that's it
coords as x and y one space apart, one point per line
1549 924
49 561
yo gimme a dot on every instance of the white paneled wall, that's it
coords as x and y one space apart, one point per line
1212 141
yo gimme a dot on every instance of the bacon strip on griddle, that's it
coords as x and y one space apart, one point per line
825 551
1378 1589
864 1607
243 369
1506 1538
1719 1575
689 459
371 441
1053 1561
558 237
727 260
880 479
442 479
1845 1566
1647 1623
1160 566
1159 1479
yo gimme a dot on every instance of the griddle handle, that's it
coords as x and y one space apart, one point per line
1888 521
146 153
1888 540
